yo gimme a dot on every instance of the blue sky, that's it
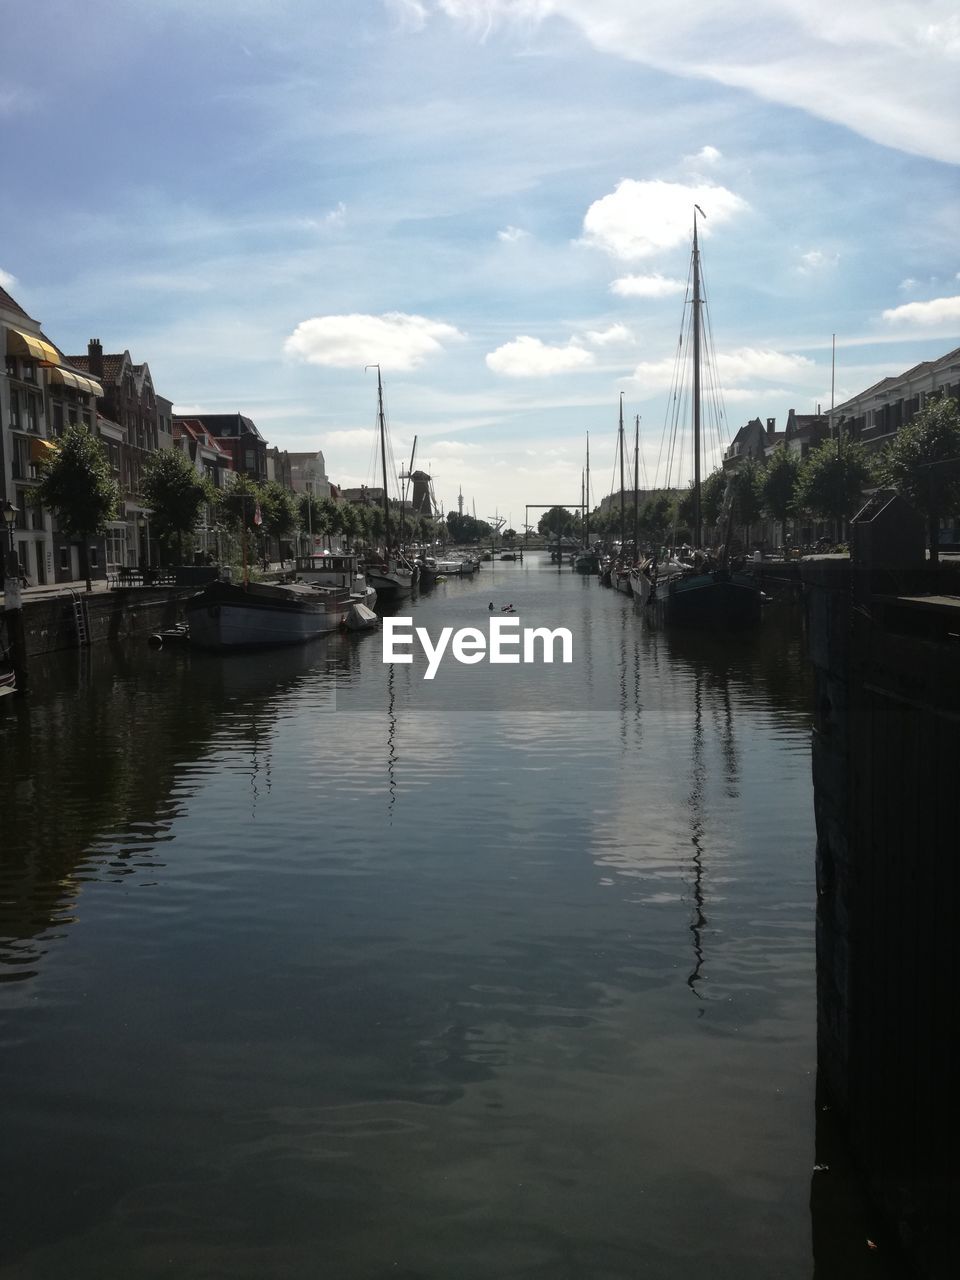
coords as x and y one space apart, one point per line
492 198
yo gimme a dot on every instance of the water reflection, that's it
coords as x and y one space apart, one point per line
98 770
429 1012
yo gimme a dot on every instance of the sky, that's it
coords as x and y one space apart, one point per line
493 200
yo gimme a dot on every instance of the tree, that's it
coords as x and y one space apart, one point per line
241 505
176 493
832 479
779 487
376 524
655 518
349 522
556 520
509 536
711 497
279 513
310 515
923 463
77 486
746 484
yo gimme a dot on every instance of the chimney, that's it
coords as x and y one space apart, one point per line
95 357
771 427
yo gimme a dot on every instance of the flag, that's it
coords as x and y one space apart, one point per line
257 515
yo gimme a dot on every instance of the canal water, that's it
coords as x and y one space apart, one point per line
310 967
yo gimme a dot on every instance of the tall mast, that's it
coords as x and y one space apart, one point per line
697 520
587 509
622 527
636 489
383 458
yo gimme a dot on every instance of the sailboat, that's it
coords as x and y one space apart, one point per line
587 561
706 593
620 570
393 577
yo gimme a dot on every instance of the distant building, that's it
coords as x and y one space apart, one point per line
278 467
751 441
364 495
214 464
41 392
874 416
133 422
308 474
237 436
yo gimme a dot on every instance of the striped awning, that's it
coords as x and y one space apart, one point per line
28 344
70 379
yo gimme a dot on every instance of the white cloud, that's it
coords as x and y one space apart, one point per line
706 155
750 362
7 281
816 260
349 437
640 219
824 58
733 368
936 311
512 234
654 286
394 341
530 358
616 334
907 284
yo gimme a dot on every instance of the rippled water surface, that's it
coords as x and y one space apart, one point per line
309 967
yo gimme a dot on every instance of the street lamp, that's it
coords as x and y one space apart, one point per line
10 514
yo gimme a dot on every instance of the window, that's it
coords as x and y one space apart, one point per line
22 466
11 366
64 559
33 413
29 371
15 408
57 418
94 557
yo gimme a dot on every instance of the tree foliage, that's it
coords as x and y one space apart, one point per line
556 520
779 486
711 497
923 463
746 484
466 529
832 480
241 502
76 484
175 493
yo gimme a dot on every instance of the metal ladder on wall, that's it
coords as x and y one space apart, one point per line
81 619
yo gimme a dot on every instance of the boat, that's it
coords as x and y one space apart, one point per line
429 571
228 615
508 555
360 618
392 576
708 593
339 570
8 682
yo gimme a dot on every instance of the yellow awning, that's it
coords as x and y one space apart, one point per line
41 449
76 380
28 344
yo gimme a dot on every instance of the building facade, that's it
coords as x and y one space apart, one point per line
41 393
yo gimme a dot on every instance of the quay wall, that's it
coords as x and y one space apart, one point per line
887 802
49 622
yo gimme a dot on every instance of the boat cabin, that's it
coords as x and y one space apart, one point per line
328 570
